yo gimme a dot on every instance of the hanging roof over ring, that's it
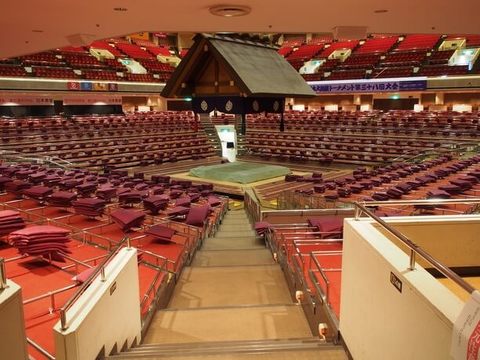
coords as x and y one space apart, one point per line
223 65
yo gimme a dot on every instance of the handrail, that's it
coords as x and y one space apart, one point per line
421 202
55 160
414 249
325 279
307 211
165 260
40 349
322 270
48 294
252 206
100 269
295 234
316 241
151 288
3 274
404 157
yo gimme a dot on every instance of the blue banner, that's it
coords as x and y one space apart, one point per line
86 86
370 86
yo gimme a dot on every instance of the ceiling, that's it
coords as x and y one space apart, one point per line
31 26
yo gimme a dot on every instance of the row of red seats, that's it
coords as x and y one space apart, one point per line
134 51
418 42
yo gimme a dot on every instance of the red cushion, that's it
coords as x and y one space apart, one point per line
84 275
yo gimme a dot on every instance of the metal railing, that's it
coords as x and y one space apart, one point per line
362 208
11 155
40 349
466 201
252 206
324 295
3 285
99 270
3 275
51 295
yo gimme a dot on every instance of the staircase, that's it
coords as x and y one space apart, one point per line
211 132
232 303
241 145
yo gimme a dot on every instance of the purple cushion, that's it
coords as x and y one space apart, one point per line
213 201
184 201
464 185
262 226
178 211
197 215
127 218
380 196
331 226
451 189
38 192
438 194
161 232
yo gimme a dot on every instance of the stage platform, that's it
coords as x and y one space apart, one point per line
239 172
227 187
271 183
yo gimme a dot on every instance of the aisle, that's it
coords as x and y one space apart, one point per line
232 303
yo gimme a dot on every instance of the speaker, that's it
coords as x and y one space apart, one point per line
349 32
80 39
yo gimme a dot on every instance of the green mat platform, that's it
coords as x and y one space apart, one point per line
239 172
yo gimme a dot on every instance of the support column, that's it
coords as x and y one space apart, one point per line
196 122
282 122
244 124
439 98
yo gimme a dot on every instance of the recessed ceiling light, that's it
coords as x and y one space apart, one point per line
380 11
230 10
120 9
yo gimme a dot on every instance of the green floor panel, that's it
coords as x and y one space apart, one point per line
239 172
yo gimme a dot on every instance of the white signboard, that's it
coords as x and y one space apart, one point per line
466 331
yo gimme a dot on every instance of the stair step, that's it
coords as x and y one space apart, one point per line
232 257
236 218
233 286
235 233
231 347
236 226
228 323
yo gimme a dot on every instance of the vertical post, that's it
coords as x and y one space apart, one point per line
412 259
52 301
102 274
63 319
282 122
3 275
244 124
357 212
196 121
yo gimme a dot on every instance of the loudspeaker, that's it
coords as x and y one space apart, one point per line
80 39
349 32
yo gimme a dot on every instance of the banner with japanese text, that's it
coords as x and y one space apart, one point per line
369 86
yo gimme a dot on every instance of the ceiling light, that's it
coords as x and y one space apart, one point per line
230 10
120 9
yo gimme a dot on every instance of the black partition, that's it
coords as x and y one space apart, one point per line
394 104
24 110
92 109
